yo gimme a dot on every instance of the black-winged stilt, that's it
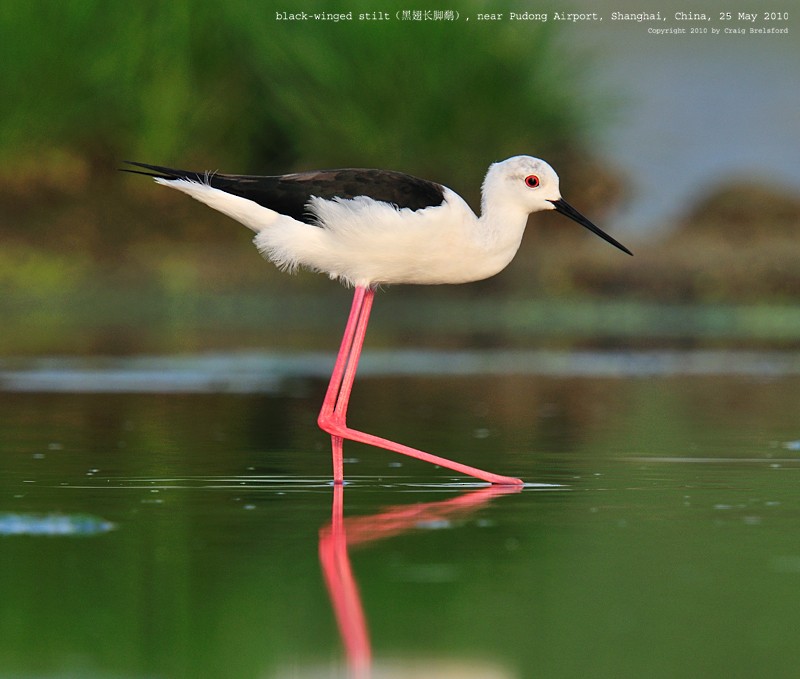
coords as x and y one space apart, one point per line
370 227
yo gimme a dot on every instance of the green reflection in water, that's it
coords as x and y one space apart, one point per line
668 548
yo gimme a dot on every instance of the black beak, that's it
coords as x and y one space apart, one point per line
565 208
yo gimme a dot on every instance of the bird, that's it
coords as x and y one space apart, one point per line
373 227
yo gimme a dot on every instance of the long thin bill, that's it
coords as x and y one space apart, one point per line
565 208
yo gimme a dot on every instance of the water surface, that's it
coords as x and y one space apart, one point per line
658 535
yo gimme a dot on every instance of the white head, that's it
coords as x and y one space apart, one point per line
525 184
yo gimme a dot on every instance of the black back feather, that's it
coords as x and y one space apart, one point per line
289 194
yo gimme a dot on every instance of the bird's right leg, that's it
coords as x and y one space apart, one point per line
332 416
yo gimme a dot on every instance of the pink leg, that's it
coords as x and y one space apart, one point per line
333 415
334 407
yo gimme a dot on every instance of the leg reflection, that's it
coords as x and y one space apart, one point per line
336 536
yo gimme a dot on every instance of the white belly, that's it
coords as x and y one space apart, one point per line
366 243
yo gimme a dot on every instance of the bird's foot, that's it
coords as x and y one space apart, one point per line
339 431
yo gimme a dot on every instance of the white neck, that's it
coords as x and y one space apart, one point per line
502 222
499 232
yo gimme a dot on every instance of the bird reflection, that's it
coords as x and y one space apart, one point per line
336 537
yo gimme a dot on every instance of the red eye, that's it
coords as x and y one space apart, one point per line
532 181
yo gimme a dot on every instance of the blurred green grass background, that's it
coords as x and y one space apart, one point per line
92 260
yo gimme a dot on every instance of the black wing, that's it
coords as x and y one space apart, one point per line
289 193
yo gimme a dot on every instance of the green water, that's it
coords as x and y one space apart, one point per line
660 536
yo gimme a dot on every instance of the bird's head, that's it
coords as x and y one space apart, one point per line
531 185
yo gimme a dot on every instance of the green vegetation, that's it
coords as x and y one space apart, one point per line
229 86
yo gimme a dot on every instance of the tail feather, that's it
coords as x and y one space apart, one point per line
286 241
167 173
